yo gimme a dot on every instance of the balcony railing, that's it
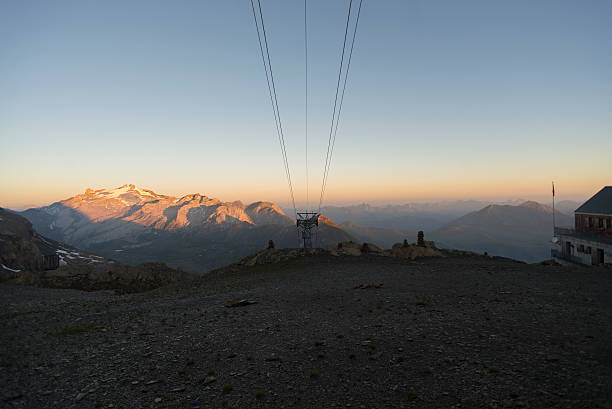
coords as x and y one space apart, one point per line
601 236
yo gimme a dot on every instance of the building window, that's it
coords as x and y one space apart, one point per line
601 223
588 250
581 248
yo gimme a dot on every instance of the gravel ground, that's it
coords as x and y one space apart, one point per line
464 332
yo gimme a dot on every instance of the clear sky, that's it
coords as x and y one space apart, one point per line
446 99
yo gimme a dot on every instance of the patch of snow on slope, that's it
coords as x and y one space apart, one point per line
75 255
116 193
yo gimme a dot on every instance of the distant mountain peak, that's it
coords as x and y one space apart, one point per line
529 204
327 221
537 206
127 189
262 205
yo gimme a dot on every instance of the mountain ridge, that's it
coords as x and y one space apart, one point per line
521 231
143 209
194 231
198 232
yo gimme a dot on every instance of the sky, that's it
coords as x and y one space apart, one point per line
445 99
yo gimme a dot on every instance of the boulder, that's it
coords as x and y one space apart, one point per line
349 248
412 251
369 248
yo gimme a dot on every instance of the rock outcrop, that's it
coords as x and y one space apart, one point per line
345 248
413 251
421 248
29 258
272 255
118 277
18 245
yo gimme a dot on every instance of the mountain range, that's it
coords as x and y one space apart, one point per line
198 233
408 216
417 216
195 232
523 232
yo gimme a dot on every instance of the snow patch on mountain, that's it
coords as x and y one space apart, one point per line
125 189
10 269
75 256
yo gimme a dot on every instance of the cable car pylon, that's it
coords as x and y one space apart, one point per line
306 223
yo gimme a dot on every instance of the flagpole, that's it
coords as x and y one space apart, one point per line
553 199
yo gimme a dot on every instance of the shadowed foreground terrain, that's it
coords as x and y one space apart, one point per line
459 331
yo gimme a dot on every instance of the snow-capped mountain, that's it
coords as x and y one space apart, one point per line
106 214
132 224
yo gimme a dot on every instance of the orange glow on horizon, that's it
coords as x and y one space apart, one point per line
337 193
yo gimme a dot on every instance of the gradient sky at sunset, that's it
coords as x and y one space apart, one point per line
446 99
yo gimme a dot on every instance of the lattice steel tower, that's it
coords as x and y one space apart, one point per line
306 222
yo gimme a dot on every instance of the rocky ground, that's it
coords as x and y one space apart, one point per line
118 277
323 331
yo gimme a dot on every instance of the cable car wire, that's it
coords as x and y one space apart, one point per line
273 97
306 98
337 108
337 104
348 66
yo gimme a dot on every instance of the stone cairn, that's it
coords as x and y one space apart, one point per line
270 244
420 239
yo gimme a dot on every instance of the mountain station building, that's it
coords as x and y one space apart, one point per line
590 241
